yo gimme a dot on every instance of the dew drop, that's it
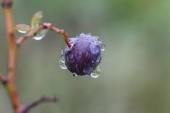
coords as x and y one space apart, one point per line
74 75
22 31
98 60
96 72
62 62
40 35
37 38
102 47
22 28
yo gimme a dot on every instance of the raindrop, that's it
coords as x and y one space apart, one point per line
102 47
22 31
40 35
62 62
98 59
74 75
22 28
96 72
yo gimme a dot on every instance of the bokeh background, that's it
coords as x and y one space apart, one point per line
135 76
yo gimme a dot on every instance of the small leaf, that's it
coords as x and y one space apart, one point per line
23 28
36 19
40 35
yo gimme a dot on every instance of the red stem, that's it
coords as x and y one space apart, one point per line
11 85
50 26
9 80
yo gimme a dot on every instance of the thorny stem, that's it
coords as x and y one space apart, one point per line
49 26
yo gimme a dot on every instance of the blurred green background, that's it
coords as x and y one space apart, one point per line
135 75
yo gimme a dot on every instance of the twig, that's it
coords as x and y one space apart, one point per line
28 107
62 32
30 34
9 80
49 26
10 85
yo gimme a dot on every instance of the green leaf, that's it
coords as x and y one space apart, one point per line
36 19
23 28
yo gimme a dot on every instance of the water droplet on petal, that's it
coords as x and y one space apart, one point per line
62 62
40 35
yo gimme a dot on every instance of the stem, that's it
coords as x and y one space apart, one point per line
10 85
32 33
9 80
28 107
62 32
50 26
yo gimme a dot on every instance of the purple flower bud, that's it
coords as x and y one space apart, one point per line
84 55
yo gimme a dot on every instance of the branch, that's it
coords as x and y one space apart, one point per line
30 34
10 85
9 80
28 107
49 26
